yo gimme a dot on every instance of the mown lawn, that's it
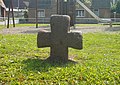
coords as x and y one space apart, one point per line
24 25
21 62
2 27
47 25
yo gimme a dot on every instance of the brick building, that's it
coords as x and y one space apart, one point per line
48 7
101 8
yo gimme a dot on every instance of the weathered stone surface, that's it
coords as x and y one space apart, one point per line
74 40
59 39
43 39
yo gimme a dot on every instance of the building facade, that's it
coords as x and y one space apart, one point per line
2 7
101 8
46 8
18 7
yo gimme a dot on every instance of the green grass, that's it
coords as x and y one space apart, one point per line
84 25
46 25
24 25
2 27
116 23
21 25
98 25
21 62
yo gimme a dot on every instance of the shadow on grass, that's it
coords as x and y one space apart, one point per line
43 65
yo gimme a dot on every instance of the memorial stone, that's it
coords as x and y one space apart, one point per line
60 38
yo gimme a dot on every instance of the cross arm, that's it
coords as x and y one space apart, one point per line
43 39
74 40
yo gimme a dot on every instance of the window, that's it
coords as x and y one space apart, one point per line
41 13
80 13
96 11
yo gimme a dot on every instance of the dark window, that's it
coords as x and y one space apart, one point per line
96 11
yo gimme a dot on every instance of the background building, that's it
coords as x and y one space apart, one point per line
101 8
46 8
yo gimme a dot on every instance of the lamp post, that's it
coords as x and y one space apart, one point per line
36 14
114 16
18 7
65 7
18 3
57 7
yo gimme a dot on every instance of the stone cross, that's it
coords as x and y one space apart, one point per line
60 38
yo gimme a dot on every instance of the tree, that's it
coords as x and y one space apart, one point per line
118 6
113 8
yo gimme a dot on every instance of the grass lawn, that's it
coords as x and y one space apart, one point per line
45 25
23 25
2 27
99 25
21 62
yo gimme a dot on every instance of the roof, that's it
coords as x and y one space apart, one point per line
16 4
2 4
100 4
42 4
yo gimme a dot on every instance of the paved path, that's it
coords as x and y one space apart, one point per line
29 30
